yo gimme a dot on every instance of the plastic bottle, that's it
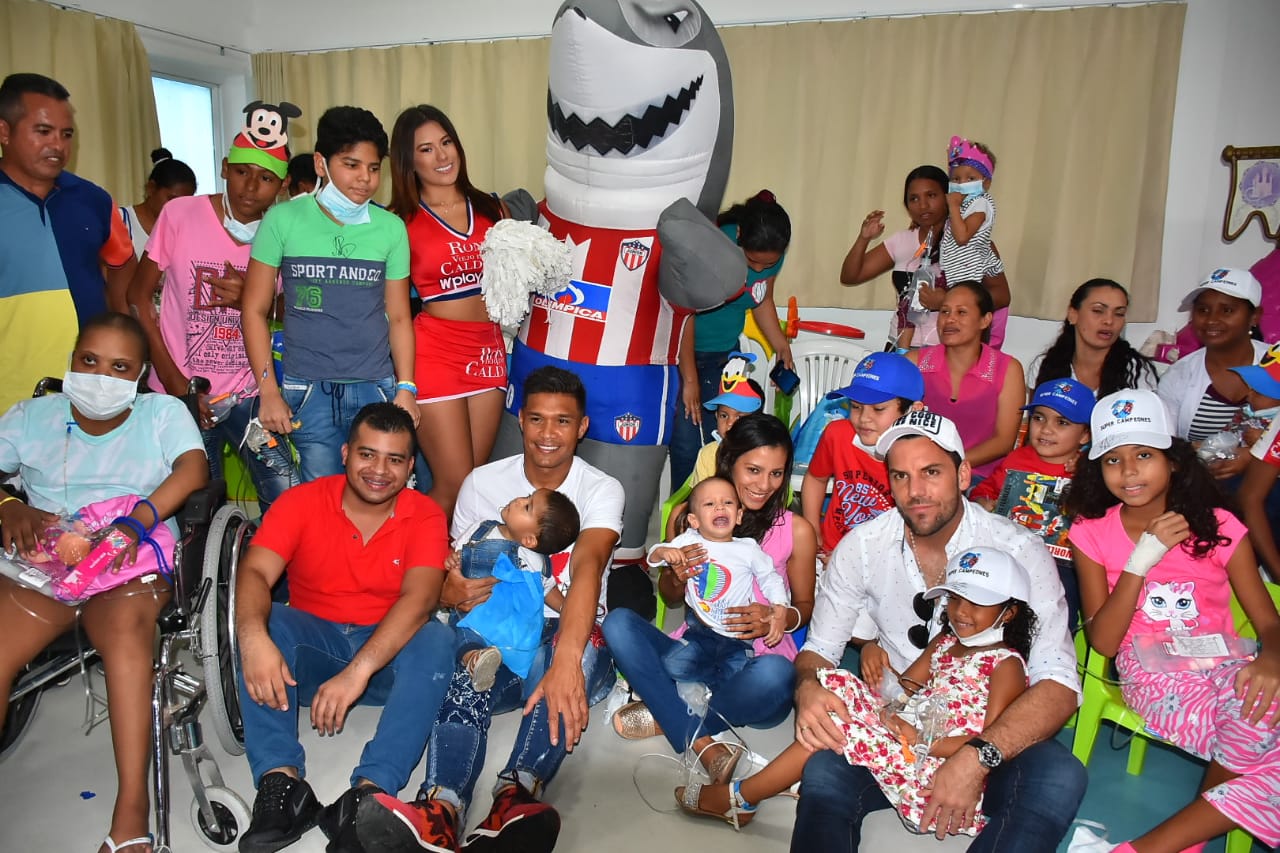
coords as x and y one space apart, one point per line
222 405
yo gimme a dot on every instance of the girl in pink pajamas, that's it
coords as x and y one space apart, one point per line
1158 557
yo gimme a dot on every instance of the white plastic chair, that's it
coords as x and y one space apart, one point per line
824 364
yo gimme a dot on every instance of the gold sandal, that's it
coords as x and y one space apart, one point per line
634 721
719 760
738 814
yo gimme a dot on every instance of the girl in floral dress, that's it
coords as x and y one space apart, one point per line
967 675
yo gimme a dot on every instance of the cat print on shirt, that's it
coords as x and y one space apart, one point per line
1173 602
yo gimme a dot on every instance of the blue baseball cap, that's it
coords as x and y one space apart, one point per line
881 377
1263 377
1069 398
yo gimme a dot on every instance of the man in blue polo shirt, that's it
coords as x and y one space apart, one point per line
56 232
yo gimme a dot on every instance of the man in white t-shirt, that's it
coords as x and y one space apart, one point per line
572 671
873 590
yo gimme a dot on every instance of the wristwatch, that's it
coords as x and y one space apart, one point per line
989 755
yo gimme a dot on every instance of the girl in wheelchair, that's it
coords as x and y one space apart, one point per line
95 441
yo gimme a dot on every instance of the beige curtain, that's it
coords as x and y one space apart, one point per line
494 92
1077 104
104 66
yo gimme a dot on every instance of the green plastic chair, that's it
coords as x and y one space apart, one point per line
1103 701
677 497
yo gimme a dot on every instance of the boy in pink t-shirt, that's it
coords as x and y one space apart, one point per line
199 249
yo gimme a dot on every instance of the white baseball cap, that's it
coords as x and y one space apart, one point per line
1129 416
931 425
1238 283
985 576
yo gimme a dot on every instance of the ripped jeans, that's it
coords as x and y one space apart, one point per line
409 689
459 740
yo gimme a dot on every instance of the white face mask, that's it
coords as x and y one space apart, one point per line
99 397
339 206
989 637
241 232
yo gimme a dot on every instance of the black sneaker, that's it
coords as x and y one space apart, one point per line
284 809
338 820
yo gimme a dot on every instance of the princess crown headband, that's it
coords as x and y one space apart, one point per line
962 152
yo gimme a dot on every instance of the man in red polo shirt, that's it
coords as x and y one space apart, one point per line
366 564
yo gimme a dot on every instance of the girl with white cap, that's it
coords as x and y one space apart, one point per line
1159 557
973 669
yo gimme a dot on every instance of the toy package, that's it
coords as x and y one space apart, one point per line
75 554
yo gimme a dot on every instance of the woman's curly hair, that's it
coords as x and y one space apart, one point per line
1192 492
1018 631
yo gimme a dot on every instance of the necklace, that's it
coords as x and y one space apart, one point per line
938 577
444 209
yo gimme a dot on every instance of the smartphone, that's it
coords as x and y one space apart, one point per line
786 379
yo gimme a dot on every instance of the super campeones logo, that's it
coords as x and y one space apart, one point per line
1122 408
969 560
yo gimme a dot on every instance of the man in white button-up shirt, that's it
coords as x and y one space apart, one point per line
870 591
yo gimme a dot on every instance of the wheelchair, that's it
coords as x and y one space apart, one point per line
212 534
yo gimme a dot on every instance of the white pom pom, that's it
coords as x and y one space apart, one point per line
520 258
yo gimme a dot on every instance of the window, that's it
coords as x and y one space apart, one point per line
186 113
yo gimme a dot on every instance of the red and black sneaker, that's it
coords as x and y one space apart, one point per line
517 823
388 825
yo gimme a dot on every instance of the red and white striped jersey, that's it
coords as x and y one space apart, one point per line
611 313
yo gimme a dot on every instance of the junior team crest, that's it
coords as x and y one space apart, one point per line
627 426
1122 408
634 253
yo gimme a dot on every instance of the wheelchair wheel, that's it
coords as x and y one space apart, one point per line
232 815
18 721
228 536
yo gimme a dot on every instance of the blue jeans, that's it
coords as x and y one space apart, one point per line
687 437
459 740
324 411
409 689
755 692
271 468
1030 801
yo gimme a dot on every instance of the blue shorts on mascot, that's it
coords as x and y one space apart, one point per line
635 199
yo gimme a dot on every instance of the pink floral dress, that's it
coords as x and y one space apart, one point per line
961 682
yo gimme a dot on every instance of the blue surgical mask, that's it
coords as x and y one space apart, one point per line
241 232
966 189
339 206
1262 416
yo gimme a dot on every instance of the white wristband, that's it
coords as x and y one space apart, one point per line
1149 551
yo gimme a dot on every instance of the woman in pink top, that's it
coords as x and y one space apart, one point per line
979 388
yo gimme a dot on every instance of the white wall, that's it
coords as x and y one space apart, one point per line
1226 90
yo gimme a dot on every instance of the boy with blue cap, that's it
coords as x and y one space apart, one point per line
1028 484
884 388
738 396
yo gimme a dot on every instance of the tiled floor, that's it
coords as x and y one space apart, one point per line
56 790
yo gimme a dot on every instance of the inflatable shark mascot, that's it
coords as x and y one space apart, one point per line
639 137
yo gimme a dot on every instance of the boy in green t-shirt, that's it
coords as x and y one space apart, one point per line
344 264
